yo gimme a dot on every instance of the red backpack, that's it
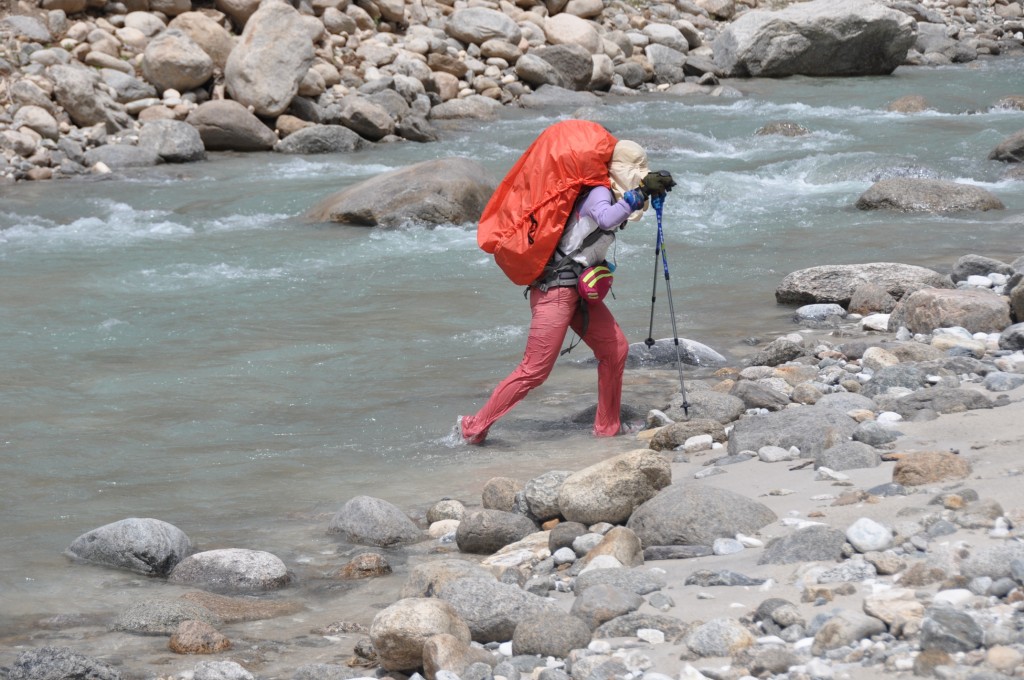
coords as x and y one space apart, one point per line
523 221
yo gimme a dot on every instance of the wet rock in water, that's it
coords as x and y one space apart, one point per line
820 38
707 578
918 468
870 298
719 637
492 609
853 455
604 602
550 635
927 195
836 283
979 311
196 637
447 508
143 545
59 662
541 494
365 565
226 125
426 579
232 570
663 352
697 515
911 103
487 531
809 544
118 156
1010 149
314 139
220 670
173 141
819 312
706 405
371 521
161 617
811 429
399 631
776 352
450 190
785 128
611 490
234 609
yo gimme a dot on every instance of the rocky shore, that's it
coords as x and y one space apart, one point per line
844 505
91 86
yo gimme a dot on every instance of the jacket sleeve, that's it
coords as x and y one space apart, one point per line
606 211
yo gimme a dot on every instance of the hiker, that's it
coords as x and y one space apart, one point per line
555 302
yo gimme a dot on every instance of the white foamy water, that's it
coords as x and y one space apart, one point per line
184 344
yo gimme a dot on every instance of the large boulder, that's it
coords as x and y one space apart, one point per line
426 579
232 570
978 265
48 663
226 125
79 91
690 514
320 139
488 531
267 65
477 25
567 29
174 141
371 521
812 429
173 60
572 64
1010 150
447 190
911 194
609 491
493 609
837 282
818 38
399 631
143 545
366 117
210 36
977 310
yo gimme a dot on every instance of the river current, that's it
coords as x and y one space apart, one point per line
180 343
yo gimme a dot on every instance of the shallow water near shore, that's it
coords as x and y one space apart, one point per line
181 344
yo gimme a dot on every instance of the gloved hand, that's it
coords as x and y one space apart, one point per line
635 198
657 183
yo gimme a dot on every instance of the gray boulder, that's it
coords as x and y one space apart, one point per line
815 543
541 494
668 63
174 141
938 47
492 609
267 65
697 515
366 117
553 96
428 578
906 376
59 663
907 194
371 521
946 629
173 60
977 310
663 353
320 139
836 283
448 190
844 402
873 434
940 400
706 405
232 570
1012 337
853 455
604 602
143 545
117 156
550 634
611 490
399 631
639 581
629 624
226 125
812 429
78 90
477 25
536 72
127 88
755 395
970 265
572 63
1010 150
473 107
220 670
487 531
818 38
212 38
161 616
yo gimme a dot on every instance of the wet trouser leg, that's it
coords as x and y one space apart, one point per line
552 312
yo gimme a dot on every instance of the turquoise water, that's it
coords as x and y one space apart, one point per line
181 344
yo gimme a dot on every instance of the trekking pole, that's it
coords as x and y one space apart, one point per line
658 201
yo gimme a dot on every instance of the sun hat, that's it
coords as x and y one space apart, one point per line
627 170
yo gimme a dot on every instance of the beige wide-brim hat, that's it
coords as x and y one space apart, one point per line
627 169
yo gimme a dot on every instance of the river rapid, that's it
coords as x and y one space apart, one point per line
180 343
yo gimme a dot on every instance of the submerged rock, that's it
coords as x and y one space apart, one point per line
143 545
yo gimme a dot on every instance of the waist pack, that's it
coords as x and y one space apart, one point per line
595 282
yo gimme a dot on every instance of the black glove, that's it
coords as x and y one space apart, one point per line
657 183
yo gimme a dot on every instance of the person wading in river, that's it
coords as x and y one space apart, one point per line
555 303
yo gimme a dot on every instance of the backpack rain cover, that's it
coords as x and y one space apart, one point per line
523 221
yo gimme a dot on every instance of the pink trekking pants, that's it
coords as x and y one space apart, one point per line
554 312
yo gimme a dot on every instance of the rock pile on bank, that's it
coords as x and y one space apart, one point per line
581 574
100 85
